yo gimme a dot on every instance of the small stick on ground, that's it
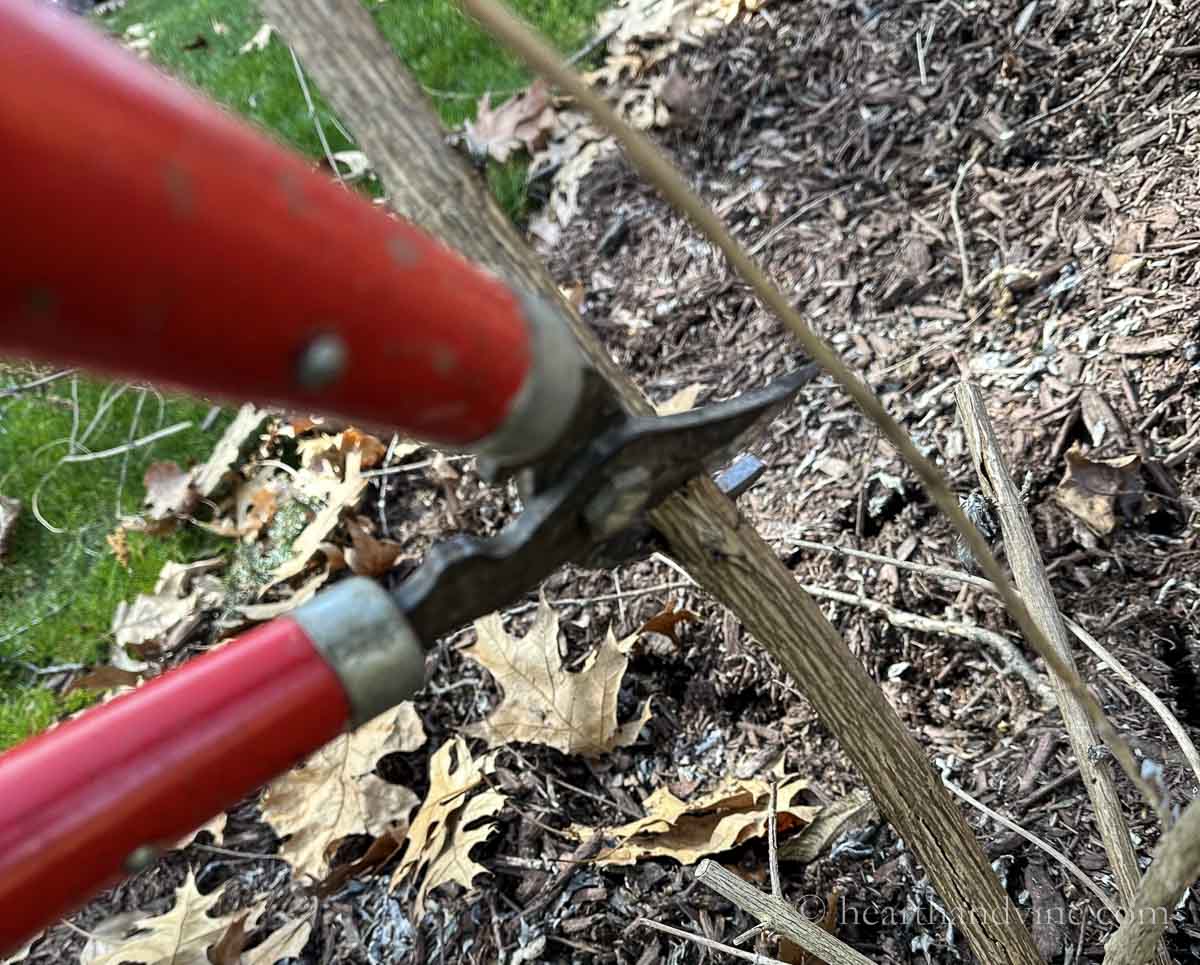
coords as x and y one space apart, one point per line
1084 728
778 915
1010 656
964 264
709 943
1037 842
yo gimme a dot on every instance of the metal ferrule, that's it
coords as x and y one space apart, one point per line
366 640
545 405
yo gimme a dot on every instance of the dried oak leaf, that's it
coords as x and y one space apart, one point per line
667 622
689 830
228 948
338 495
681 401
336 791
238 436
1094 490
181 936
169 491
544 703
440 837
165 617
287 941
369 556
105 677
118 543
521 121
10 512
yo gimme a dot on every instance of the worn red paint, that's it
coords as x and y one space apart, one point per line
79 799
146 231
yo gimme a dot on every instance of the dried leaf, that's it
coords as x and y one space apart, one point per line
10 512
833 821
681 401
257 500
1094 490
269 611
165 617
287 941
440 826
543 703
105 677
667 621
715 822
341 495
169 491
228 949
380 852
521 121
369 556
182 936
117 541
259 41
336 791
454 864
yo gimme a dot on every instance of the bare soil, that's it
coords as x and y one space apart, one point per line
833 137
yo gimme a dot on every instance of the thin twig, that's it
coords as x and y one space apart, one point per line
709 943
964 264
1175 867
312 113
1085 721
1186 746
13 390
129 446
133 424
1033 839
779 915
1010 656
229 853
1113 67
1172 722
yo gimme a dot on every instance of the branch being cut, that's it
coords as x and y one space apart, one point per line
430 184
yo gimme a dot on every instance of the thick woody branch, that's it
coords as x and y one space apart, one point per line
1176 866
1033 584
430 184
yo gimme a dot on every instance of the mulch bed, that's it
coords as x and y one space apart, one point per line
832 138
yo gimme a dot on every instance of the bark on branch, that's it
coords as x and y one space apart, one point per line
431 185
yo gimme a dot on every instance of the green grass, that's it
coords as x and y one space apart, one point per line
455 60
58 590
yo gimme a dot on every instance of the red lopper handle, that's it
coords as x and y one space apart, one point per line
102 794
146 232
78 802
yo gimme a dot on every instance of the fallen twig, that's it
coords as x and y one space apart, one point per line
1037 842
1010 656
1112 68
1177 729
14 390
709 943
964 264
779 915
